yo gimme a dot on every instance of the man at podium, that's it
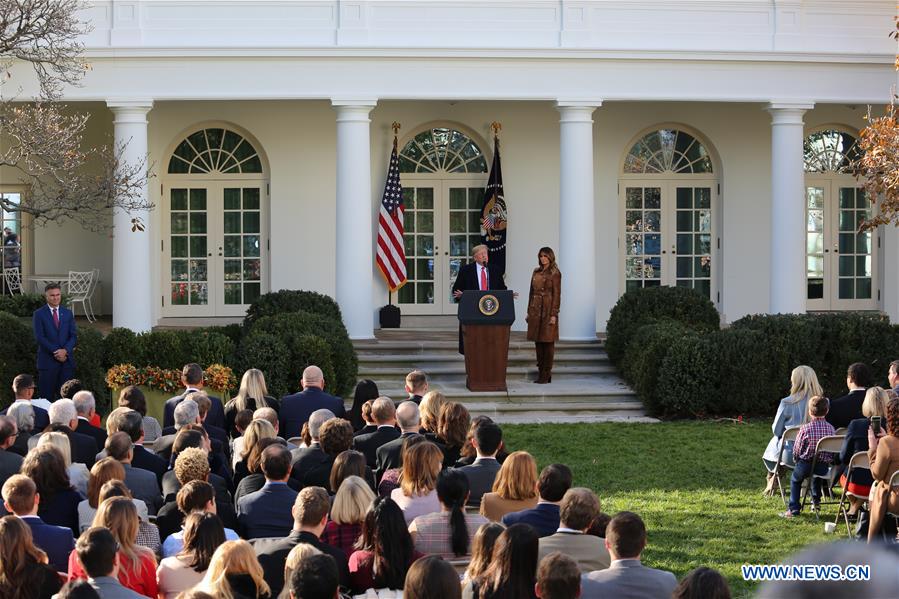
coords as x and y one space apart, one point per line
476 275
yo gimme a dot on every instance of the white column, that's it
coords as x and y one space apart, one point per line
131 265
577 317
354 217
788 251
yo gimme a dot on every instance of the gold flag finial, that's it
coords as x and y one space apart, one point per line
396 129
497 127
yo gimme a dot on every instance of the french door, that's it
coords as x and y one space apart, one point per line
214 247
442 224
841 261
669 235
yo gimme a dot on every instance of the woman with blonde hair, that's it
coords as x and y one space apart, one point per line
514 489
429 410
417 493
856 440
78 473
24 571
252 395
452 429
234 573
792 411
103 471
251 457
137 565
351 502
296 555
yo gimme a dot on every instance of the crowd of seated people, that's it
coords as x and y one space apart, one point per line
297 497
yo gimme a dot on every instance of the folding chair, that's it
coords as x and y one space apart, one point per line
789 435
842 430
831 444
13 278
894 486
859 461
80 288
298 441
460 564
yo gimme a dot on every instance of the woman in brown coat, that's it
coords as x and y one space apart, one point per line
883 453
543 312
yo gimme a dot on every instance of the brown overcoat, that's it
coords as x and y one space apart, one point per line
543 302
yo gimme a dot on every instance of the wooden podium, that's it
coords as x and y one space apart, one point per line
486 317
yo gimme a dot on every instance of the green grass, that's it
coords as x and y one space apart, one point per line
697 485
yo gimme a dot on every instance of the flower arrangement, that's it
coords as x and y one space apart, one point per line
218 377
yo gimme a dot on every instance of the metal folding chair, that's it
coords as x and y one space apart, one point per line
842 430
79 289
859 461
782 467
831 444
894 487
13 278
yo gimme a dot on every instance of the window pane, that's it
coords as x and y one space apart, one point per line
232 222
250 245
250 222
457 198
197 247
252 270
179 294
179 270
251 291
232 293
179 222
179 247
179 199
684 197
232 270
198 199
199 294
251 198
232 199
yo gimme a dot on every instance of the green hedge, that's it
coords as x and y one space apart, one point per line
22 305
640 306
648 348
89 367
168 349
18 352
284 301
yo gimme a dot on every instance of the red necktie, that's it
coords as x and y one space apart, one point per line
56 317
483 279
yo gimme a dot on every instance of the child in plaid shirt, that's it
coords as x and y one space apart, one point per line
804 453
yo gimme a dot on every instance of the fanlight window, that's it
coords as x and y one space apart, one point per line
830 151
215 151
442 149
668 151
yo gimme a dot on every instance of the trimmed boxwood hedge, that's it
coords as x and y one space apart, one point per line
17 353
640 306
168 349
22 304
285 300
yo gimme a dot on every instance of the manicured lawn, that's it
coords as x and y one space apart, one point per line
697 485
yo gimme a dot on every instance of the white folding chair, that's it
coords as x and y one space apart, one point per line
831 444
859 461
13 278
782 467
79 290
842 430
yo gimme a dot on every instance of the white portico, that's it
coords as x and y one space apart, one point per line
700 144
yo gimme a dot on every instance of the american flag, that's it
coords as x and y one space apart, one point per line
391 252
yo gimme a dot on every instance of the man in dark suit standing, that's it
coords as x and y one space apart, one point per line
10 463
56 335
23 389
476 275
296 408
554 481
844 410
487 440
86 407
20 497
64 419
192 379
384 415
389 455
310 516
266 513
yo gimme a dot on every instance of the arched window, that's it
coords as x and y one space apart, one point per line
668 151
442 149
215 151
830 151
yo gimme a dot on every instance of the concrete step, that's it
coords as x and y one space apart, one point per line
452 346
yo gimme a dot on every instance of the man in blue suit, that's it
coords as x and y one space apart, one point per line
296 408
192 379
554 481
20 497
23 389
55 333
267 512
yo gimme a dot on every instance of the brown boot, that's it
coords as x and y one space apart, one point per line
548 355
540 352
543 378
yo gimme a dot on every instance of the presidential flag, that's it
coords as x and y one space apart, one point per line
391 251
494 216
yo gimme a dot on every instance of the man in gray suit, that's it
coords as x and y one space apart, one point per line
143 484
626 577
487 440
578 510
96 549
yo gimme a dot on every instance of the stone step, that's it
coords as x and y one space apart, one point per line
452 346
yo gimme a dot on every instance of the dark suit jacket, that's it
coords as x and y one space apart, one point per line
144 485
481 475
97 434
84 448
20 447
856 440
171 486
273 552
305 459
217 437
163 447
544 518
267 512
169 519
147 460
56 541
844 410
369 444
255 481
49 338
216 415
368 428
41 421
10 463
467 279
388 455
296 409
62 509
